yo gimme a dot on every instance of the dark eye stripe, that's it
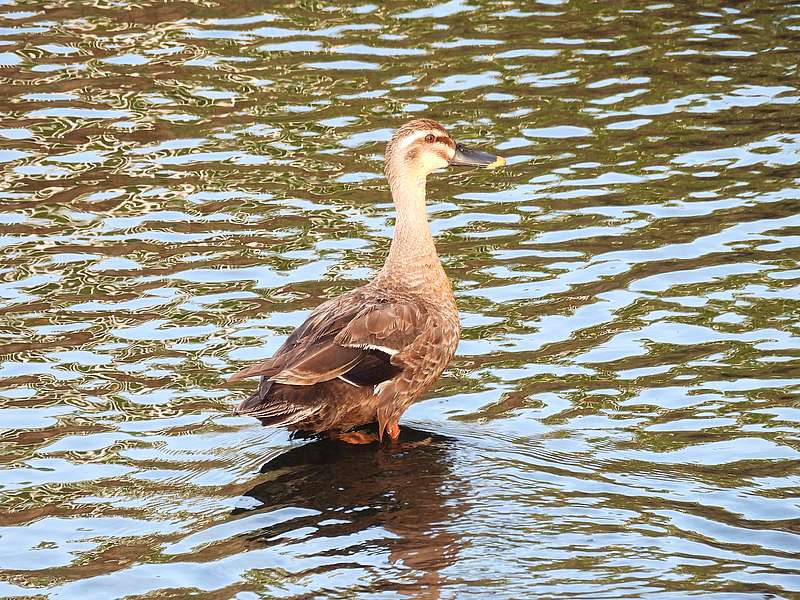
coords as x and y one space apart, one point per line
446 141
424 143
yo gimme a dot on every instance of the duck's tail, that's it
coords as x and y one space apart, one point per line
275 410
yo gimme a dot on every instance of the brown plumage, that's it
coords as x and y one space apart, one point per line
366 355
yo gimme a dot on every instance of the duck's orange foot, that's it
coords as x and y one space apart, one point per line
356 437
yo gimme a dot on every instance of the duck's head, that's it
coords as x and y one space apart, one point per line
422 146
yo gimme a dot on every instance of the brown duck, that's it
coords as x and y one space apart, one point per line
368 354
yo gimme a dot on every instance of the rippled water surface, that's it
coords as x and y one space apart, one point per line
183 181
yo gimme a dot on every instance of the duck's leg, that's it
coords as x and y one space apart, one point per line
355 437
393 431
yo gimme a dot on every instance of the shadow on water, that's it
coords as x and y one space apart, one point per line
388 506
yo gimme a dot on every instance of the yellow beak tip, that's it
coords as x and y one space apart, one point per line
499 162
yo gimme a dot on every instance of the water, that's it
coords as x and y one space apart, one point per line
183 181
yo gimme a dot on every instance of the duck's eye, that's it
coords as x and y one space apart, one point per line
430 138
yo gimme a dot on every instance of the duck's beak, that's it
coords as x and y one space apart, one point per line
466 157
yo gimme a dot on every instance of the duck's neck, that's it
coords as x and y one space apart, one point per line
412 246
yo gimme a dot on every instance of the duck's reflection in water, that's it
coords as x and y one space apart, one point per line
379 519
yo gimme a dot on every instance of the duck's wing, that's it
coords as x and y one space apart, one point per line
266 367
352 338
363 339
387 327
309 340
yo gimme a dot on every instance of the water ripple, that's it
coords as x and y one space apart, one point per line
182 183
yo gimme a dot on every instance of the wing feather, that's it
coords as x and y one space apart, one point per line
266 367
358 336
322 364
388 327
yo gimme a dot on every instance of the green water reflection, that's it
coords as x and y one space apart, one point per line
183 181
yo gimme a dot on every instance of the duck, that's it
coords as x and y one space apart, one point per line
364 357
